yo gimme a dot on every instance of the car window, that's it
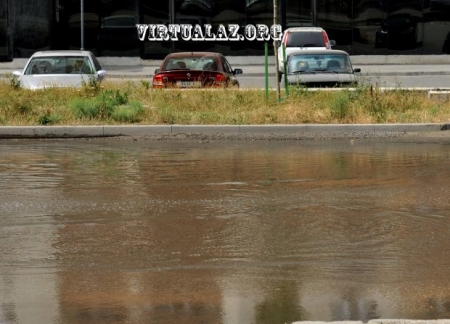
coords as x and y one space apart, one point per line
305 39
191 63
226 65
59 65
97 65
311 63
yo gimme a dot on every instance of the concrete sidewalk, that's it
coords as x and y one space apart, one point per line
370 65
260 131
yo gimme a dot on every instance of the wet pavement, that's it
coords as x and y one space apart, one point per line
142 231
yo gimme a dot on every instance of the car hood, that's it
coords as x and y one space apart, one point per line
319 77
35 82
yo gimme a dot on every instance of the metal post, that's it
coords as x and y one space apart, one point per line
82 24
172 21
277 72
314 4
266 55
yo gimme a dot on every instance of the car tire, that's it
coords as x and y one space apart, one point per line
280 76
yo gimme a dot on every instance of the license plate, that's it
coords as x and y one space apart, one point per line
189 84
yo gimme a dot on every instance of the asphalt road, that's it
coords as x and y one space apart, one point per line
407 81
425 82
384 81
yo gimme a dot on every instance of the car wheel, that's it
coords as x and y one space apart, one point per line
280 76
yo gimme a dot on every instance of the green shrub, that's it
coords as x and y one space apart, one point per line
145 84
84 108
128 113
107 104
340 107
14 81
48 119
92 85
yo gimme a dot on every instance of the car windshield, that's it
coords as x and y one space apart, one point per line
312 63
305 39
60 65
198 63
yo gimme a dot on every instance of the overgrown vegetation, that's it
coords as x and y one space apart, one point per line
135 102
107 105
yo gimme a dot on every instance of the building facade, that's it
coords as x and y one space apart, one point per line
360 27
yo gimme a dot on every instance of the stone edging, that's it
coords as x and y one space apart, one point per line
381 321
152 130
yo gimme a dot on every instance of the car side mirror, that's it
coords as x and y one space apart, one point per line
101 74
277 43
357 70
17 73
332 43
237 71
157 71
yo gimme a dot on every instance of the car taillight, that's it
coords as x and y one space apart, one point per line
220 79
326 40
158 81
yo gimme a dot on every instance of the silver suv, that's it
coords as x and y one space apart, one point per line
303 38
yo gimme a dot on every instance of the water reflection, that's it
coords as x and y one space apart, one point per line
116 231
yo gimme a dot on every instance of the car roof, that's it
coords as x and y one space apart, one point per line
62 53
184 54
318 52
304 29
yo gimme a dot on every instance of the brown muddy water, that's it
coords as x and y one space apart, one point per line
121 231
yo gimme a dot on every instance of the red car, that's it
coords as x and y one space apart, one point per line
195 70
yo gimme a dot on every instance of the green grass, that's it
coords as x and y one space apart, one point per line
136 103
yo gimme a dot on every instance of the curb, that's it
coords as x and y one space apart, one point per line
356 130
381 321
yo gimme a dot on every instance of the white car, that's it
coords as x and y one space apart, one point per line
59 69
302 38
321 68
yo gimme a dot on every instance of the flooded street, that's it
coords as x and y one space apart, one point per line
122 231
